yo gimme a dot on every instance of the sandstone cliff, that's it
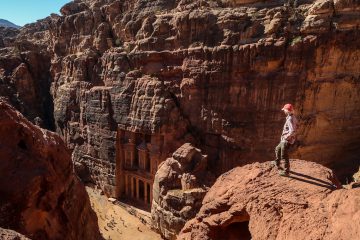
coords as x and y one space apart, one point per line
219 69
25 72
254 202
40 196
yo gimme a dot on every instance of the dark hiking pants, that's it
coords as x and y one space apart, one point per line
282 152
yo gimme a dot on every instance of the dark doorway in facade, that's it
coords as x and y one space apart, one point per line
148 193
134 188
141 190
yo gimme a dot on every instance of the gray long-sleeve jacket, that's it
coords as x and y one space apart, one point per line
289 130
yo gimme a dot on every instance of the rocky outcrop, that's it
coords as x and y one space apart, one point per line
254 202
180 185
7 36
40 196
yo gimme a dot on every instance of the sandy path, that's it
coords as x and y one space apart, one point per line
115 223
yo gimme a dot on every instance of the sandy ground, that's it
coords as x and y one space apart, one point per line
115 223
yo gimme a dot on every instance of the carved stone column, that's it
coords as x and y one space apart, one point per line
145 192
126 186
132 187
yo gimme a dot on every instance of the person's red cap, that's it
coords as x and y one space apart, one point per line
288 107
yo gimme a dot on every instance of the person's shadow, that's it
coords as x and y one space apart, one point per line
312 180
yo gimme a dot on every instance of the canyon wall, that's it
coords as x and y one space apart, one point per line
214 72
25 72
41 197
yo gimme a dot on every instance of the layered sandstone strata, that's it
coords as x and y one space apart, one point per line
180 185
41 197
217 72
254 202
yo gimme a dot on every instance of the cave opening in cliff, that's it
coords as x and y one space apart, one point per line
22 144
237 230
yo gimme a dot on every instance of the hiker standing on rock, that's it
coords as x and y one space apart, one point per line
288 138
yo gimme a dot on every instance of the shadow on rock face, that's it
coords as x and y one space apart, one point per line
40 197
312 180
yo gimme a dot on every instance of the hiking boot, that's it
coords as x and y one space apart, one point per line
275 164
284 173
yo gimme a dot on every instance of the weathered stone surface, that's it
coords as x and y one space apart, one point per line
7 36
180 184
41 197
254 202
24 72
6 234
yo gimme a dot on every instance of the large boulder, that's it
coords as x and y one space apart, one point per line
254 202
180 184
41 197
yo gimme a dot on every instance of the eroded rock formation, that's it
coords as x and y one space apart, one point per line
40 196
25 72
180 185
254 202
7 36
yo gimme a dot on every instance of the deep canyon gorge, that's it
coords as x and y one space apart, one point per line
174 106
